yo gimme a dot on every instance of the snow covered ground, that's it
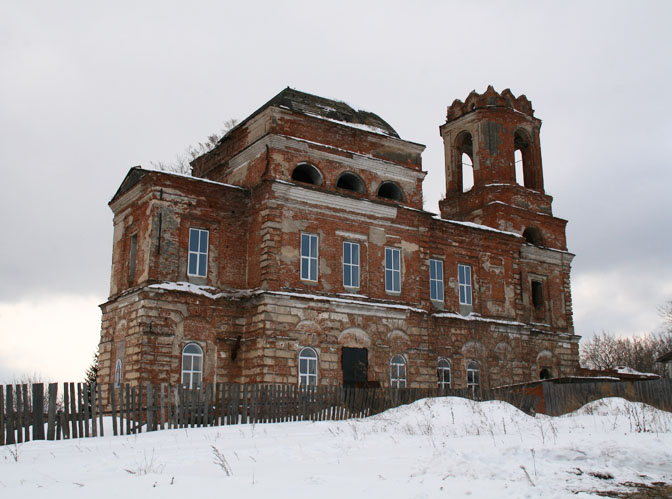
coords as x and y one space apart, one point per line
448 447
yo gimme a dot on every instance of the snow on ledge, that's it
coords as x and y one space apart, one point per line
207 291
629 370
478 226
477 317
184 175
211 292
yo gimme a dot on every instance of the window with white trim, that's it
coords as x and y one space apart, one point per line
398 372
192 365
473 378
198 252
464 281
393 270
443 373
118 373
350 264
436 280
309 251
308 367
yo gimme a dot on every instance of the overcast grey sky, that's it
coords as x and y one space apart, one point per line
89 90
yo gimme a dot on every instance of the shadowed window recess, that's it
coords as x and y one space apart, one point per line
307 174
351 182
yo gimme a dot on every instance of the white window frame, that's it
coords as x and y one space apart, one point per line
309 261
118 373
197 253
190 369
464 284
352 266
308 376
473 377
436 280
392 270
443 366
398 371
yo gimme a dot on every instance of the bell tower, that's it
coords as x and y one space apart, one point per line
488 138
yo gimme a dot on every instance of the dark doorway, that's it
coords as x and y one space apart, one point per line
355 364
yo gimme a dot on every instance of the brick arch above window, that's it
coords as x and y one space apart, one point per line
354 337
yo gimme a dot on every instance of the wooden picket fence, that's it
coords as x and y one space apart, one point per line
79 410
562 398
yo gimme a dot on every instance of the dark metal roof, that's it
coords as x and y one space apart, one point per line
132 177
301 102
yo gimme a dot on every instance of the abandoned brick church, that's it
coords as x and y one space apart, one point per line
299 252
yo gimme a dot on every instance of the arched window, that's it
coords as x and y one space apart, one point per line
467 173
518 163
465 154
192 365
390 190
307 173
118 373
308 367
351 182
523 151
443 373
473 378
398 372
533 236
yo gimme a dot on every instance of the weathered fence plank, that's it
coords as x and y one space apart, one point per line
9 415
23 411
18 421
38 411
2 415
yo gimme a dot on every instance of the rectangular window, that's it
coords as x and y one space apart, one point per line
436 280
132 256
350 264
464 280
392 270
198 253
538 295
309 257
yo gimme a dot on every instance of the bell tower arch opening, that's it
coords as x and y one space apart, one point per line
524 160
464 149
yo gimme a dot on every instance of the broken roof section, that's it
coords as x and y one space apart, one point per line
332 110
